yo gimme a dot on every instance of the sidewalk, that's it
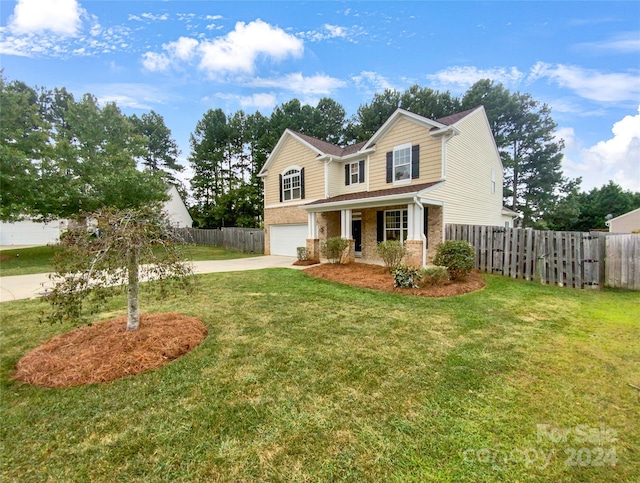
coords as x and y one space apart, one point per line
28 286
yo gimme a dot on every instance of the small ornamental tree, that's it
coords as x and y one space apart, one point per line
111 248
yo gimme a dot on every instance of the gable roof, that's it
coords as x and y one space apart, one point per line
324 148
454 118
621 216
329 148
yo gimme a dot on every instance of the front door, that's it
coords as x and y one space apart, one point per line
356 232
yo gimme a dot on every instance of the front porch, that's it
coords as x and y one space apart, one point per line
417 224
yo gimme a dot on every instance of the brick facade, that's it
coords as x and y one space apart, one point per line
276 216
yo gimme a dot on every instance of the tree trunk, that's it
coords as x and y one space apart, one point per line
133 314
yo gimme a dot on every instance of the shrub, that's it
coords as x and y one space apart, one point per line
303 254
406 277
392 252
333 248
457 255
434 275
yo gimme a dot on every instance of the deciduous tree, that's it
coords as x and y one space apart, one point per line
122 248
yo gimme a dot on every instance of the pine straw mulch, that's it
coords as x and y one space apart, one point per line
378 278
106 351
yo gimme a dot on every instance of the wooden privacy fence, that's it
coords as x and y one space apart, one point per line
568 259
248 240
623 261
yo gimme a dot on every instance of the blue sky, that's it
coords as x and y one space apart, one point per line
181 58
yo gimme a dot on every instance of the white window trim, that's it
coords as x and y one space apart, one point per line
291 189
403 229
357 173
401 147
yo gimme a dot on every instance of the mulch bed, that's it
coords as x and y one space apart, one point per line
106 351
378 278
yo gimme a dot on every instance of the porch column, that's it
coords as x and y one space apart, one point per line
312 225
345 232
345 224
313 242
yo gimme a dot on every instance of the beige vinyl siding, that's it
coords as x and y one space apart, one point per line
294 153
627 223
467 193
406 131
337 186
336 178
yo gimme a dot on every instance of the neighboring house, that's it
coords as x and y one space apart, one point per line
177 210
27 232
405 183
627 223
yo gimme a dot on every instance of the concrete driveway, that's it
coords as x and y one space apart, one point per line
29 286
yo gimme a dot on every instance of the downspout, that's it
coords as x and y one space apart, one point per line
423 237
326 177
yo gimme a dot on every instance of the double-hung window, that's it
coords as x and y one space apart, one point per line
354 172
395 225
402 163
291 185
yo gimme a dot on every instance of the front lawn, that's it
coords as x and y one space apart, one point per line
303 379
24 261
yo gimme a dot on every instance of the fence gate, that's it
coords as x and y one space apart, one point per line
567 259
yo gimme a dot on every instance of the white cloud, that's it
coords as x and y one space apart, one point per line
590 84
182 49
319 84
624 43
617 158
153 17
259 100
465 76
238 51
235 53
131 95
327 31
155 62
371 82
62 17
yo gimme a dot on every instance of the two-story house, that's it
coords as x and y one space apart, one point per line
405 183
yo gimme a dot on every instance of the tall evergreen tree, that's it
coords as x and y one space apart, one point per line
160 149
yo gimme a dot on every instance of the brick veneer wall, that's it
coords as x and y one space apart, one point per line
276 216
434 231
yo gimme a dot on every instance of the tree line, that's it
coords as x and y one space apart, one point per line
62 155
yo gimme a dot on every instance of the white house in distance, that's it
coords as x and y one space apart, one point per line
627 223
27 232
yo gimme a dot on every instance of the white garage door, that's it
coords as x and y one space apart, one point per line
284 239
29 233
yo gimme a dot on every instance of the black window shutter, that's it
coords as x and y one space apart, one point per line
361 170
347 174
426 224
280 188
415 161
380 226
302 183
390 167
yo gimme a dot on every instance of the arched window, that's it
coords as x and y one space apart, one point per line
292 184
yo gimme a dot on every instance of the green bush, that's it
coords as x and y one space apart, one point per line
458 256
333 248
392 252
434 275
406 277
303 254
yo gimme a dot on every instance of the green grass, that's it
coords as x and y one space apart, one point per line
26 261
306 380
